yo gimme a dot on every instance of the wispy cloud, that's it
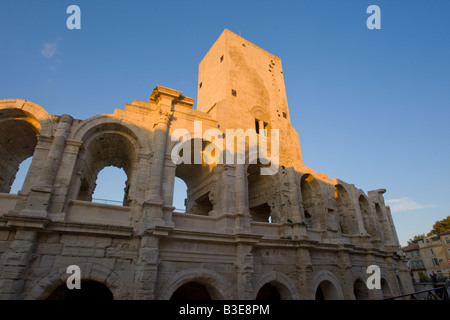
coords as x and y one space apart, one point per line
49 49
405 204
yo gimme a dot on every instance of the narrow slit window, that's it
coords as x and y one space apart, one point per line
257 126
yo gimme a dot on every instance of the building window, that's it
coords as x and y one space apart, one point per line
447 240
221 58
284 115
435 262
200 84
233 92
261 125
432 252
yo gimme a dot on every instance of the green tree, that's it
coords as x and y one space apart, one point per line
416 238
440 226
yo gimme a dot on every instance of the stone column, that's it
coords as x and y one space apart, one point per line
305 274
156 173
147 269
38 199
55 153
153 212
245 271
243 218
66 178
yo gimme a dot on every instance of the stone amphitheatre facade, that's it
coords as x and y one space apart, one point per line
294 234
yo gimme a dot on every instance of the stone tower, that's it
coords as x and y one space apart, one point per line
242 86
295 234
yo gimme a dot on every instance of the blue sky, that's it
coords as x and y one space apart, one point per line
372 107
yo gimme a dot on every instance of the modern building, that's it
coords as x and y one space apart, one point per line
428 255
415 263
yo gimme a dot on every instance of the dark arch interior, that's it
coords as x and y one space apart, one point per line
18 139
90 290
268 292
319 294
191 291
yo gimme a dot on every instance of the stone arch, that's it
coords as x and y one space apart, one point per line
346 212
196 174
367 215
33 109
283 284
89 126
107 142
360 290
328 284
89 271
312 201
262 194
21 122
385 288
216 285
384 223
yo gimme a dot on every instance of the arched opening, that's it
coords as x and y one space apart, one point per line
308 219
197 177
104 149
111 186
259 190
360 290
179 195
312 202
90 290
367 219
191 291
326 291
18 140
385 288
21 175
268 292
345 212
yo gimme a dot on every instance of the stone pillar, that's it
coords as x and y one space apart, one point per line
55 153
16 263
245 271
147 269
156 173
294 226
345 273
305 274
243 218
153 207
38 199
66 179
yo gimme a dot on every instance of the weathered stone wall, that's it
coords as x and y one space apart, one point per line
296 234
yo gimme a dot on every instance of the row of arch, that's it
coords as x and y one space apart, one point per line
375 221
112 142
204 284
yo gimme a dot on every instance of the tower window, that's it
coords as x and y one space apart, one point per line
200 85
233 92
257 126
221 58
284 115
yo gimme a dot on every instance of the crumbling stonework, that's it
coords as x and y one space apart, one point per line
296 234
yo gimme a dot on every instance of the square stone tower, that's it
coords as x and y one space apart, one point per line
242 87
